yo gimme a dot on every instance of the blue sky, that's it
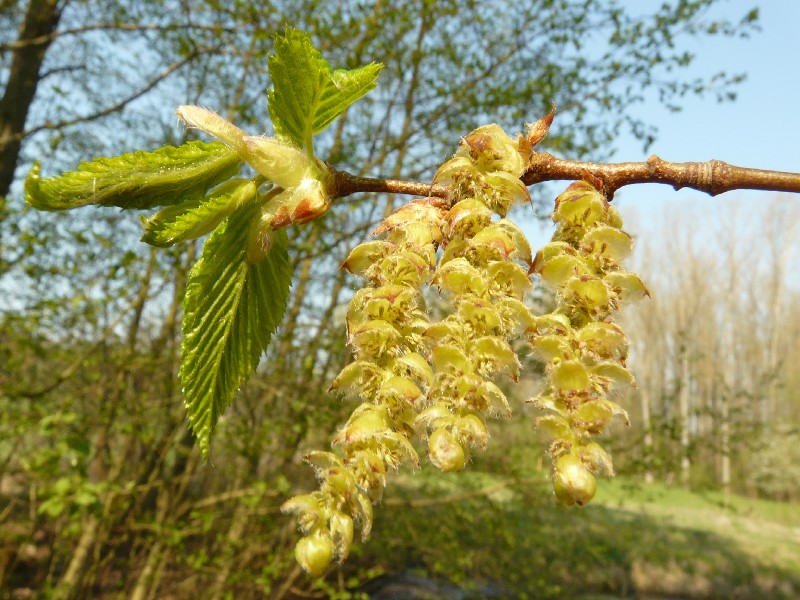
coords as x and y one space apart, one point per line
760 129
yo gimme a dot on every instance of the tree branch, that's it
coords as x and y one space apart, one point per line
126 27
713 177
116 107
346 184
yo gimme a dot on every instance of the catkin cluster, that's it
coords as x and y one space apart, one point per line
386 322
414 377
583 349
484 272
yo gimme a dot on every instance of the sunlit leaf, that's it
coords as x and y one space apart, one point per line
195 218
137 180
231 308
308 94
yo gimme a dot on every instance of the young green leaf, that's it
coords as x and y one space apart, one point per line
231 308
308 94
192 219
137 180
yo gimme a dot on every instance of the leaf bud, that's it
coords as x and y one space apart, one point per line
538 130
298 204
282 163
285 165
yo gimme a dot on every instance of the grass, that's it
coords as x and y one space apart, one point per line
632 541
765 530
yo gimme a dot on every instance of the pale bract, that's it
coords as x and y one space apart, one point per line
283 164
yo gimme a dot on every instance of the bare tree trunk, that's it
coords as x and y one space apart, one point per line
644 404
72 577
683 415
147 575
725 444
41 20
241 517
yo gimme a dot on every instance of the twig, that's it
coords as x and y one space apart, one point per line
346 184
713 177
126 27
116 107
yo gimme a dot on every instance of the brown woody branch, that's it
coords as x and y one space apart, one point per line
713 177
117 106
126 27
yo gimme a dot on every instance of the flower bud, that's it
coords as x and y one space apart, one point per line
341 526
314 553
596 459
445 452
572 481
472 430
491 149
507 190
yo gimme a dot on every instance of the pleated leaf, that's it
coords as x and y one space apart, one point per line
195 218
308 94
231 309
136 180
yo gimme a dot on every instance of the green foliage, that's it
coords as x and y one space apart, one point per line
231 309
237 292
194 218
138 180
308 94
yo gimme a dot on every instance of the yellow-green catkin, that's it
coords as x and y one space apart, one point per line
584 350
411 376
484 273
390 375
